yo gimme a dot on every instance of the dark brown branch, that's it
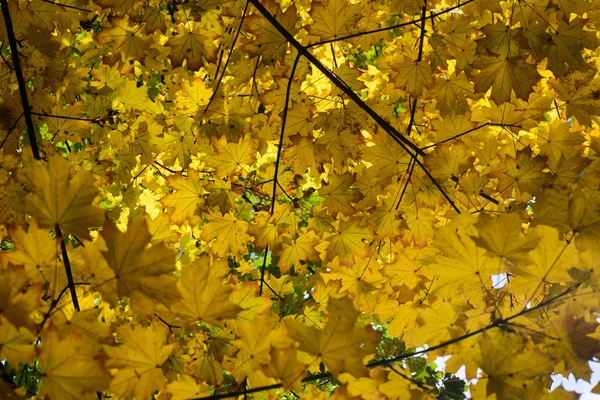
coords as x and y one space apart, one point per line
389 28
339 83
12 41
168 325
498 323
410 169
495 324
282 133
67 6
65 117
67 263
241 392
55 302
237 34
470 131
262 272
413 108
402 141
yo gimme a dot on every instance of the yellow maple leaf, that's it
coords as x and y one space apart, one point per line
193 44
508 361
18 297
193 97
127 40
360 277
339 194
340 345
579 91
205 296
16 344
349 239
466 267
230 158
187 198
334 18
39 254
503 75
59 199
435 325
139 272
254 343
523 172
139 360
225 233
552 259
503 237
285 366
71 370
414 75
298 251
186 388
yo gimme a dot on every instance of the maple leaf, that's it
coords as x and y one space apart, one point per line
187 198
508 360
569 39
139 272
192 44
298 251
503 236
349 239
17 298
339 194
351 344
504 75
38 252
334 18
70 371
467 263
414 75
58 199
524 172
580 92
204 295
15 343
270 43
285 366
186 388
225 233
139 360
230 158
128 40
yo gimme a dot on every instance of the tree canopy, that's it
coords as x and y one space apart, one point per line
298 198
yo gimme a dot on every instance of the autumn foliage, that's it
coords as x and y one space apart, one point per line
298 199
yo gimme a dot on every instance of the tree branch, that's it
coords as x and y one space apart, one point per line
12 41
214 95
498 323
65 257
389 28
340 84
